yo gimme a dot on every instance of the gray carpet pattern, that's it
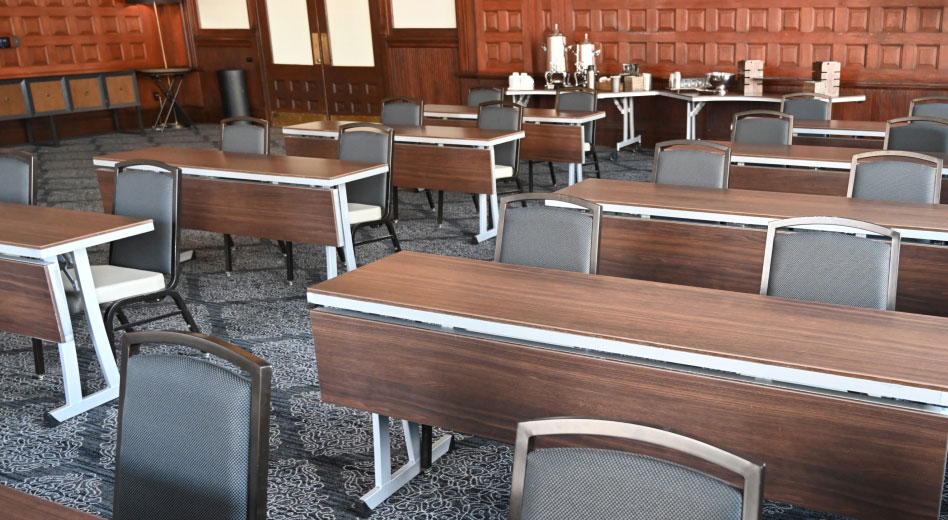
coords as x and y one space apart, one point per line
320 454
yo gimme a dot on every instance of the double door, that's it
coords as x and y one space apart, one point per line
323 58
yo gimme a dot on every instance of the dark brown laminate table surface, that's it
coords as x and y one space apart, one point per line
884 346
800 152
841 125
529 114
40 227
764 204
16 505
304 168
411 133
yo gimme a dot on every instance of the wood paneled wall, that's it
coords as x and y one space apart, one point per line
70 36
890 50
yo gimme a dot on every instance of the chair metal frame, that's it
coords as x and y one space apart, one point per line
387 211
501 90
850 225
39 361
900 121
114 309
763 114
286 248
256 121
421 122
694 143
926 100
592 144
810 95
594 211
752 473
897 154
413 101
261 374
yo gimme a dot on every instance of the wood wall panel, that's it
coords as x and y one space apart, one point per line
70 36
891 50
437 84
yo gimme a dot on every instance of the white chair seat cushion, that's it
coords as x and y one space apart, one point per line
115 283
503 172
359 213
587 147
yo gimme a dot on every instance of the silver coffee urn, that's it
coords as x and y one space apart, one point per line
557 74
586 54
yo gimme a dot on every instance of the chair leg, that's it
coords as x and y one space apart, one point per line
109 320
228 259
431 204
394 236
474 198
395 203
123 319
552 173
288 248
39 362
185 313
596 162
530 175
440 207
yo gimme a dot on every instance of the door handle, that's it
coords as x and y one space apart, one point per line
317 51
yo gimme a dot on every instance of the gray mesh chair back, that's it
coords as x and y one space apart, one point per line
897 176
549 237
580 100
368 142
17 177
148 189
687 162
245 135
577 482
917 134
403 111
762 127
192 435
934 106
497 115
806 105
831 266
478 95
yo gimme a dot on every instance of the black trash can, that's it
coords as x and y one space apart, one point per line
233 85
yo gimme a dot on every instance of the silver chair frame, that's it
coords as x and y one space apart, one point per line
694 143
254 121
924 100
595 212
811 95
897 154
838 222
899 121
527 431
261 373
763 113
501 90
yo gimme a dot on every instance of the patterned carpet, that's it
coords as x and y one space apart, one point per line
320 455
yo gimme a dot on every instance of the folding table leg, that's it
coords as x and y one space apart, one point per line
386 482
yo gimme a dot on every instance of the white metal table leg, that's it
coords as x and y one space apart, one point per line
330 262
484 233
75 402
346 229
386 482
692 119
626 107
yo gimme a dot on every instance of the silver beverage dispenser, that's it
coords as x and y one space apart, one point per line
586 54
556 51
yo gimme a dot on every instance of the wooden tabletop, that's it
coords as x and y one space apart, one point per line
530 115
17 505
768 205
700 96
887 346
840 127
42 231
807 156
245 166
430 134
